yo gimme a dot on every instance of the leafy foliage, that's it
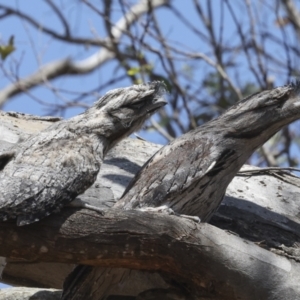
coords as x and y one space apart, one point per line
6 50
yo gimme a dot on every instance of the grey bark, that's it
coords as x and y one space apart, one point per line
30 294
250 210
206 260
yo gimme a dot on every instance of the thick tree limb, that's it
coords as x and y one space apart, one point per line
155 242
29 294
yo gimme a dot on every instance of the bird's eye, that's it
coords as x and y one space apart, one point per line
136 105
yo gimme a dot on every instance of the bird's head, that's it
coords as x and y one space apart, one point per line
261 115
122 111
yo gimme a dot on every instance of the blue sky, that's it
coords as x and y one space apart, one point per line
33 49
83 21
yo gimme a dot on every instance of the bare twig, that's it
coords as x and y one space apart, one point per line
67 66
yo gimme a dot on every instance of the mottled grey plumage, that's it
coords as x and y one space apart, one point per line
190 175
46 172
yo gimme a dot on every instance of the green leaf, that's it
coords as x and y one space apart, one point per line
147 68
133 71
6 50
138 81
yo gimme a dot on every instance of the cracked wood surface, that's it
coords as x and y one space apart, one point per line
155 242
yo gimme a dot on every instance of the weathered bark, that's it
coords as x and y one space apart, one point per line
147 241
30 294
227 266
